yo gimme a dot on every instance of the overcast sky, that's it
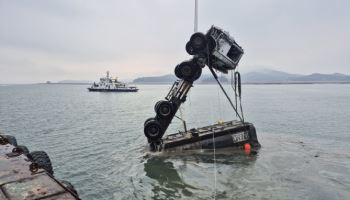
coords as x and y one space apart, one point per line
44 40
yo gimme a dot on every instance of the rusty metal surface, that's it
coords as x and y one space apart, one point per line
18 182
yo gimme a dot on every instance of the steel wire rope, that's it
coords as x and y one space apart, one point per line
213 138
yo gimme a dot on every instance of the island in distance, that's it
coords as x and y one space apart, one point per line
264 76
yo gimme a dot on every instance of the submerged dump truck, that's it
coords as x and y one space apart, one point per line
29 175
220 53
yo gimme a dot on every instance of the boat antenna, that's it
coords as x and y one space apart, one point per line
195 16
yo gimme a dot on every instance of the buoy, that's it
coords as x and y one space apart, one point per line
247 148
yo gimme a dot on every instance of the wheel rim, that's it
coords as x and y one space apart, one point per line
197 42
164 110
186 70
153 130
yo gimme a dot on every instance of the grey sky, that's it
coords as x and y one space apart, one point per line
81 39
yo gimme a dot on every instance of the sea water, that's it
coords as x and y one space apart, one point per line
96 141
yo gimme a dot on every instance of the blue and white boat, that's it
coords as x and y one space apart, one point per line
108 84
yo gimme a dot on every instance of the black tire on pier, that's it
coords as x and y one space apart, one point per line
197 43
153 130
42 159
165 109
70 187
11 139
23 149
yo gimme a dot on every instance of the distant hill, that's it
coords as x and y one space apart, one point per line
76 82
166 79
316 77
258 77
268 75
169 79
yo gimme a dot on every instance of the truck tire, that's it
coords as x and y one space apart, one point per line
153 130
198 43
165 109
189 48
156 106
177 72
42 159
185 70
197 74
147 120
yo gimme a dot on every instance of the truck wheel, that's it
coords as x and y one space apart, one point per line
164 109
198 73
42 159
198 42
185 71
157 105
177 72
147 120
189 48
11 139
153 130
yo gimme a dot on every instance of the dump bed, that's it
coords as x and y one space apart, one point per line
225 134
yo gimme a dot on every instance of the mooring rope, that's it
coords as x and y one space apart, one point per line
214 152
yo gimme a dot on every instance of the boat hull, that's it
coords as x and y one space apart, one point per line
112 90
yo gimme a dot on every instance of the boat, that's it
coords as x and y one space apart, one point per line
108 84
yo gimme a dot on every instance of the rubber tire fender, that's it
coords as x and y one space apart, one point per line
11 140
24 149
70 187
42 159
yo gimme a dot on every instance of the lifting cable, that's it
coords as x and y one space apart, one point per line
233 86
237 88
222 88
215 171
219 105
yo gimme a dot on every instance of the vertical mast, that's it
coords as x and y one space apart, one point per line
195 16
